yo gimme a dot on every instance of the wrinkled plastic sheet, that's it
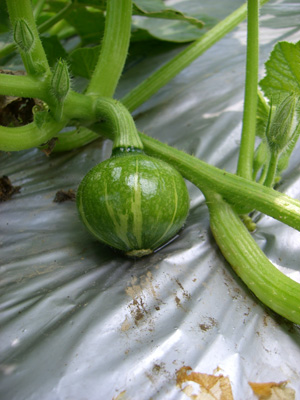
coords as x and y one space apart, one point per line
81 322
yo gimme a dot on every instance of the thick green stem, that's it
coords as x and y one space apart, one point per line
23 86
236 190
76 105
75 139
114 49
121 123
28 136
246 155
271 286
80 107
22 10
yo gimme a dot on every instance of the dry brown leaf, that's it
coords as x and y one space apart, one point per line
49 146
272 391
211 387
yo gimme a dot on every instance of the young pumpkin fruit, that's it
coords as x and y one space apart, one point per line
133 202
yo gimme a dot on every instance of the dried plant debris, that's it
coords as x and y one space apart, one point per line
16 111
121 396
273 391
211 387
49 146
63 195
7 190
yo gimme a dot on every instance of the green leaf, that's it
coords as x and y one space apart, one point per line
89 23
53 48
177 26
4 18
100 4
282 72
83 61
169 30
157 9
172 31
148 8
281 81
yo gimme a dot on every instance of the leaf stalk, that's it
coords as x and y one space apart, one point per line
246 154
114 49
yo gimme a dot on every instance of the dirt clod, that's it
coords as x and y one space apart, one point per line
63 195
7 190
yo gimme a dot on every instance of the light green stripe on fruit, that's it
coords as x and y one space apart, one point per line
120 228
86 222
136 207
161 239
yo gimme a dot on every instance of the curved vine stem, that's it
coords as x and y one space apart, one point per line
23 86
114 49
121 123
24 136
271 286
236 190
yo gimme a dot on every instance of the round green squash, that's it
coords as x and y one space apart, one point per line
134 202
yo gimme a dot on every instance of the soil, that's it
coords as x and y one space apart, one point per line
16 111
7 190
63 195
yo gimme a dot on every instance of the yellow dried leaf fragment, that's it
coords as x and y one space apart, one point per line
211 387
273 391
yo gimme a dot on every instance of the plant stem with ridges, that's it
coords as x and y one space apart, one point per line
246 154
114 49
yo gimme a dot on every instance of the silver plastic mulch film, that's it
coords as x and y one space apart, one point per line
81 322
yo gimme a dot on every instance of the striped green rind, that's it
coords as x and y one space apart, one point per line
134 203
272 287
